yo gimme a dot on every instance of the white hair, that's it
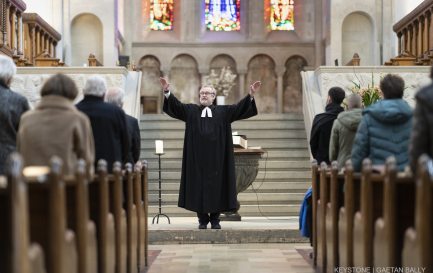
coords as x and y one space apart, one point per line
7 69
115 96
95 86
354 101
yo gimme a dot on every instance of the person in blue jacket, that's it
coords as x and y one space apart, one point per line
385 127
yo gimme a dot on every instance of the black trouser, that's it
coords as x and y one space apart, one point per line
205 218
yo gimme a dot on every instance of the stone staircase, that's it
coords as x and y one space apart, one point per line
284 171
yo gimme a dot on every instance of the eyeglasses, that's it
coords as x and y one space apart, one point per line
206 93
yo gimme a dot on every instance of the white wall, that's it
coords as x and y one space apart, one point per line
403 7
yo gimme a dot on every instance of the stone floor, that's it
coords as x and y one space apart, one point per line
231 258
220 257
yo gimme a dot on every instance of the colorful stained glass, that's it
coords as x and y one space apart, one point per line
222 15
161 14
282 17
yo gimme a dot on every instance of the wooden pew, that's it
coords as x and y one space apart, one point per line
370 210
398 215
132 222
335 186
16 253
138 201
352 193
47 210
320 218
144 197
120 222
315 178
104 220
418 240
77 200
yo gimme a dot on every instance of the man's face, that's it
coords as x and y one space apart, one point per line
207 96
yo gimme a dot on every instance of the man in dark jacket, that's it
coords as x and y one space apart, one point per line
422 132
322 125
385 127
108 123
208 183
115 96
12 106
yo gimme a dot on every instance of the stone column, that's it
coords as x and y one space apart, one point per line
427 28
38 41
8 24
242 87
399 43
318 32
13 32
280 102
20 41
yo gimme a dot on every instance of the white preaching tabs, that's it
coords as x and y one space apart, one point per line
208 111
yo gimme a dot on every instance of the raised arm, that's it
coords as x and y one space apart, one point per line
172 106
246 108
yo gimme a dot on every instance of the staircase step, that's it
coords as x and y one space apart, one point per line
245 210
284 170
258 186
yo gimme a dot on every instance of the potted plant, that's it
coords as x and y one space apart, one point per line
222 82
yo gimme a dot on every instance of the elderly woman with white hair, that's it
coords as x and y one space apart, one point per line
108 123
12 106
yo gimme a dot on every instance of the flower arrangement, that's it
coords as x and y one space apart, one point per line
223 82
369 94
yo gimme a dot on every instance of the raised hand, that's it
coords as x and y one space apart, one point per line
255 87
164 83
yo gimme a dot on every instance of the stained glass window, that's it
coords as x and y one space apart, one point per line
282 15
161 14
222 15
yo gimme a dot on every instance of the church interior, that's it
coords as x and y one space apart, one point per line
367 221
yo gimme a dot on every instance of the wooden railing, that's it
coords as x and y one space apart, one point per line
40 41
415 37
11 23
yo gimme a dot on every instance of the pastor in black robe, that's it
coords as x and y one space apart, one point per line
208 182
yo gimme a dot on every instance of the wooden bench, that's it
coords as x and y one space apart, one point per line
418 240
77 211
398 215
352 195
321 218
103 218
16 253
335 202
47 210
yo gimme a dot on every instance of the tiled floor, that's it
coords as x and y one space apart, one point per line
230 258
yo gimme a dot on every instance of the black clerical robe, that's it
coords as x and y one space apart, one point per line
208 182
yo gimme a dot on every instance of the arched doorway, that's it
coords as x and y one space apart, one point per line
86 38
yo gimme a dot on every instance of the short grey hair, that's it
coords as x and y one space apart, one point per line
115 96
7 69
354 101
95 86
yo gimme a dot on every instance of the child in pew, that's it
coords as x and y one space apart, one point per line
56 127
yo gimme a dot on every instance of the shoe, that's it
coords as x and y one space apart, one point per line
202 226
216 226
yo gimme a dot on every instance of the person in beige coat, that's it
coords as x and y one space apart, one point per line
344 130
56 128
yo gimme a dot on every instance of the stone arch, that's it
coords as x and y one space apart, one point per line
86 38
220 61
358 37
262 68
150 91
185 78
292 84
